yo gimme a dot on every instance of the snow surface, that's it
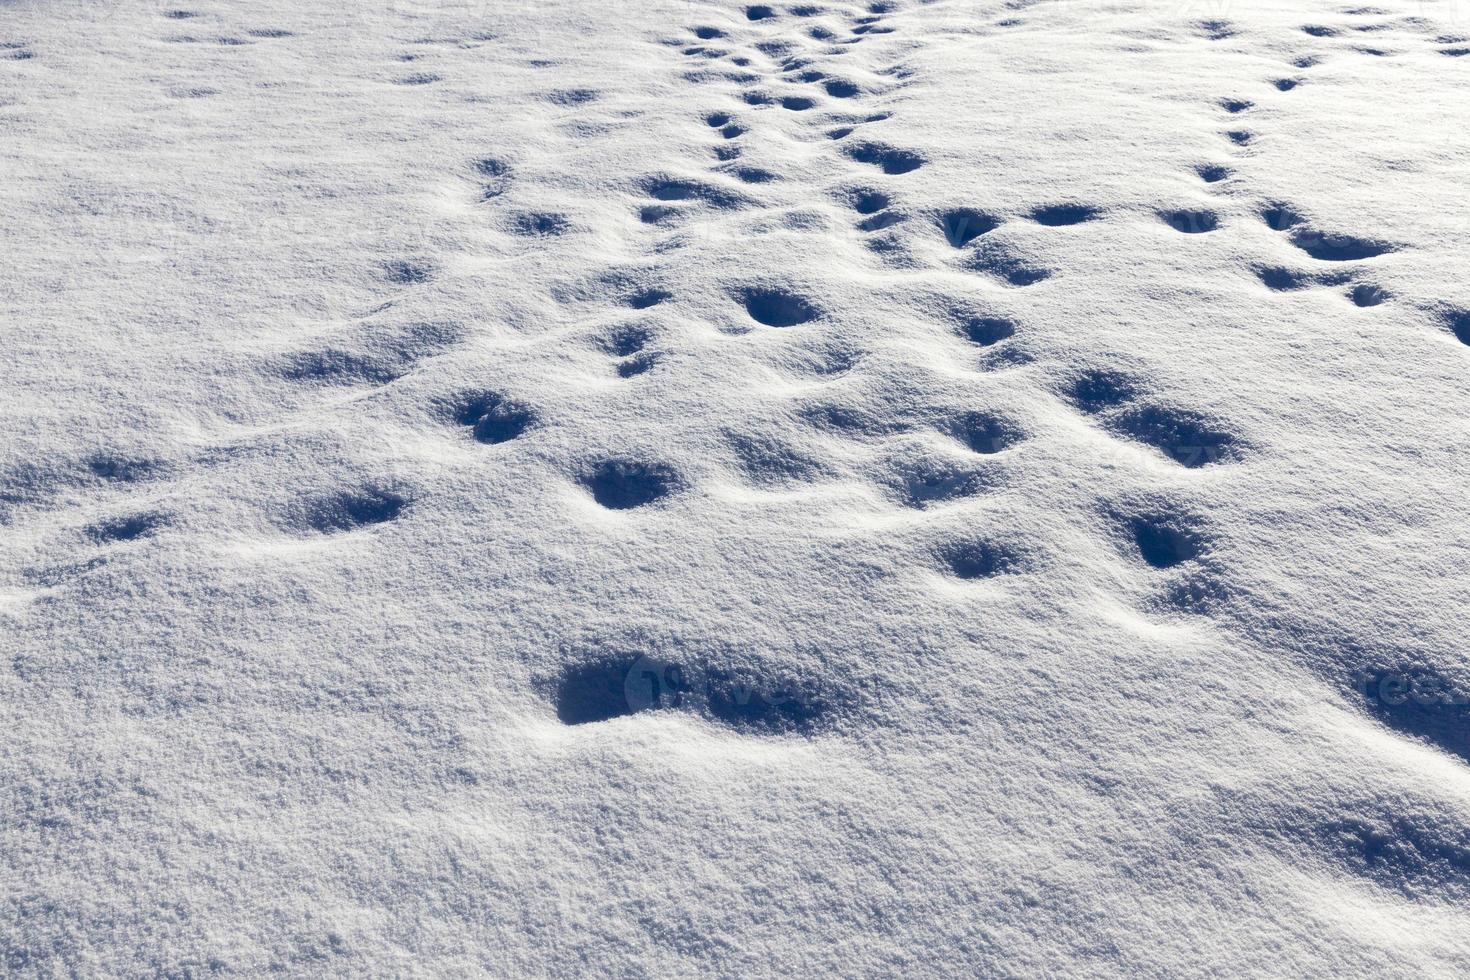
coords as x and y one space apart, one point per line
655 489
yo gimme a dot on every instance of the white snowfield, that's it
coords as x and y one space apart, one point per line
670 489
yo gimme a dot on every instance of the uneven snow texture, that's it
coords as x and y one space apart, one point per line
680 488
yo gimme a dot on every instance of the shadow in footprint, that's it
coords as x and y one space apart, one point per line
625 340
1337 248
494 418
983 330
1165 540
1212 173
963 225
752 700
1002 263
1458 323
645 298
980 559
376 356
1189 438
770 463
1056 215
1283 279
865 200
573 97
1191 221
985 432
1096 391
405 272
496 174
623 484
777 307
539 225
1424 704
1368 294
681 189
887 158
347 510
128 528
922 483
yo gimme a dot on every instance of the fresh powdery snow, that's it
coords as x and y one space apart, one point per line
672 488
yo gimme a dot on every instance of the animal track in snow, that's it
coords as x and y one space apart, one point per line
406 272
1189 438
493 418
923 482
1004 263
372 355
539 224
887 158
683 189
963 225
985 432
753 175
1212 173
625 484
626 340
495 174
1191 221
1367 294
644 298
1329 247
128 528
1458 323
982 330
347 510
767 462
980 559
1055 215
756 702
1324 246
573 97
1165 539
776 307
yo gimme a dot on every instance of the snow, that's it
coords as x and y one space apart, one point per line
656 489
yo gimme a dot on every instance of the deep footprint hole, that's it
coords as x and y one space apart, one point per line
623 484
986 433
1191 221
777 307
963 225
985 330
493 418
1164 541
